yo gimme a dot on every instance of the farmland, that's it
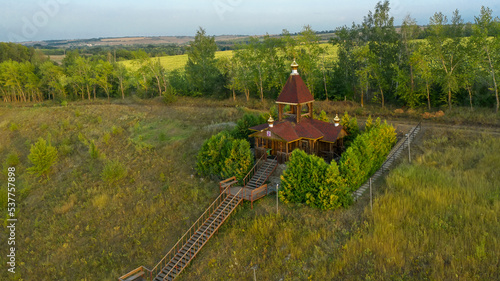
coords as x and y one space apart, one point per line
171 63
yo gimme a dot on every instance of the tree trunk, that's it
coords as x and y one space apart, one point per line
121 88
362 94
449 98
159 85
324 83
382 94
412 83
234 95
247 94
261 87
470 97
428 96
492 72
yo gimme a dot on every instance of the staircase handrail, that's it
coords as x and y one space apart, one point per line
188 234
135 271
274 168
197 240
256 192
223 184
247 178
399 146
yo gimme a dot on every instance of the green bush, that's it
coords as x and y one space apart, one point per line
13 127
310 180
322 116
238 159
248 120
113 171
224 157
12 160
350 125
93 150
43 156
367 153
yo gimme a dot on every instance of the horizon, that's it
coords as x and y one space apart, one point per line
74 19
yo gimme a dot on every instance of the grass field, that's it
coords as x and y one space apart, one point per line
171 63
435 219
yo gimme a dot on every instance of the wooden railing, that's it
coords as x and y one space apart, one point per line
163 262
257 193
257 165
136 272
200 243
227 183
262 175
400 146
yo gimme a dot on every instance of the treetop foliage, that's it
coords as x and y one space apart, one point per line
447 62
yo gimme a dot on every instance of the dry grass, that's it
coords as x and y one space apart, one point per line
435 219
78 225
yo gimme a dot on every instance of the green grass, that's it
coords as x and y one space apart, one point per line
437 220
434 219
171 63
95 219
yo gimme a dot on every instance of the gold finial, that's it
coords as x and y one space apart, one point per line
295 66
270 121
336 120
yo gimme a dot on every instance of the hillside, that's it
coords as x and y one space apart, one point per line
95 219
125 41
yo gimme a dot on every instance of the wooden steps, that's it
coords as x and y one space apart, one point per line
199 238
185 250
262 174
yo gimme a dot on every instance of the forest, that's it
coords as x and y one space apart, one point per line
447 62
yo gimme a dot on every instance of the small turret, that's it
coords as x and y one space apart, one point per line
295 67
270 121
336 120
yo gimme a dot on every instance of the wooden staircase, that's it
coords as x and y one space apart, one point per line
262 174
192 246
184 251
254 186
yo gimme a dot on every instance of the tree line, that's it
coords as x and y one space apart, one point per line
456 63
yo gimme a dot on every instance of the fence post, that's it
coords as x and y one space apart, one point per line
371 196
277 198
409 153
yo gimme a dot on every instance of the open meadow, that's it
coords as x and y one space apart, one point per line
171 63
124 189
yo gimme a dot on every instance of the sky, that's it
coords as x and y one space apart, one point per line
35 20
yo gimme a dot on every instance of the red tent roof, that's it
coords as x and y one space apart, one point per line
308 128
295 91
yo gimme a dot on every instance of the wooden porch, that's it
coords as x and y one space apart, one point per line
282 149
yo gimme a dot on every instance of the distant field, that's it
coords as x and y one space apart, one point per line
57 58
178 62
175 62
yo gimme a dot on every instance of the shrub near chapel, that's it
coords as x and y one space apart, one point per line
310 180
223 156
367 153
